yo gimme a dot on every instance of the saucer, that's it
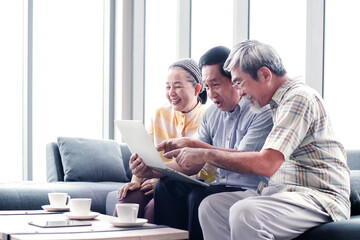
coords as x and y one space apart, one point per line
91 215
139 222
50 208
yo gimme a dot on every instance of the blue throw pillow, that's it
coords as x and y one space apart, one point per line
91 160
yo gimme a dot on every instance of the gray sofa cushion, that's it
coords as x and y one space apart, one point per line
32 195
91 160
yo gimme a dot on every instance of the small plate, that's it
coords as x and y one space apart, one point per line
139 222
50 208
91 215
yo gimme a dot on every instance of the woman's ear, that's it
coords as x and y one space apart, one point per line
197 89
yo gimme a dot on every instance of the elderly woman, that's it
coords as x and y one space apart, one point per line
180 117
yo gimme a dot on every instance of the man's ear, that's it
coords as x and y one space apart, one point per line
264 74
197 88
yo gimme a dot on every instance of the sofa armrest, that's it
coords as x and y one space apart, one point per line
54 167
126 154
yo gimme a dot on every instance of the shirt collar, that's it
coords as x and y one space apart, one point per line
237 108
196 110
281 91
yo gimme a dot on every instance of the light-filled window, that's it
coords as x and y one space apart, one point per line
160 51
341 82
67 73
211 25
282 24
11 25
66 85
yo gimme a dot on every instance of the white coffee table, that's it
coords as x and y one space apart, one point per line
16 227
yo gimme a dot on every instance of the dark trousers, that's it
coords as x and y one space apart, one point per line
177 203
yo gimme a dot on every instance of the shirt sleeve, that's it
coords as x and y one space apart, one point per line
293 121
257 132
150 126
203 131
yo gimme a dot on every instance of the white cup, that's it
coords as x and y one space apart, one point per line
58 199
80 206
127 212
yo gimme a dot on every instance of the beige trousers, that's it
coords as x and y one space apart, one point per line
249 215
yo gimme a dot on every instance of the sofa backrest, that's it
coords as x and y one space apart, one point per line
54 166
55 171
353 159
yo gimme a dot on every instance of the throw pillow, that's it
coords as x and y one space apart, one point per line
91 160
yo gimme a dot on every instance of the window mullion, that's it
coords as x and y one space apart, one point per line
315 44
108 69
183 47
27 168
241 12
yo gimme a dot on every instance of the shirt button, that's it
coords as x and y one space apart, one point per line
232 119
222 176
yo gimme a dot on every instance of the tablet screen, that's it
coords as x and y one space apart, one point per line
49 224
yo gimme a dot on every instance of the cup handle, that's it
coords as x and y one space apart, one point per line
68 199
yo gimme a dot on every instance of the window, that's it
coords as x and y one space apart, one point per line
341 84
160 51
67 73
11 25
67 80
211 25
281 24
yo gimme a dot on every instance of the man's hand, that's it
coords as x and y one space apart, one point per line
188 158
138 167
174 143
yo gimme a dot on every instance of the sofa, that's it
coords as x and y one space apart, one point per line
347 229
97 168
83 168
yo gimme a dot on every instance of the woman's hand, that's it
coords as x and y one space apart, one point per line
128 186
148 185
138 167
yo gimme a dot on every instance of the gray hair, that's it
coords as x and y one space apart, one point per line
250 55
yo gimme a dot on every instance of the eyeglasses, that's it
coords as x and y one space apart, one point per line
237 85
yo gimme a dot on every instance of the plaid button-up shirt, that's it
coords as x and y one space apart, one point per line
315 162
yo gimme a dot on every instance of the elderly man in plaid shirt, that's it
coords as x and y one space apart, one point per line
309 178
